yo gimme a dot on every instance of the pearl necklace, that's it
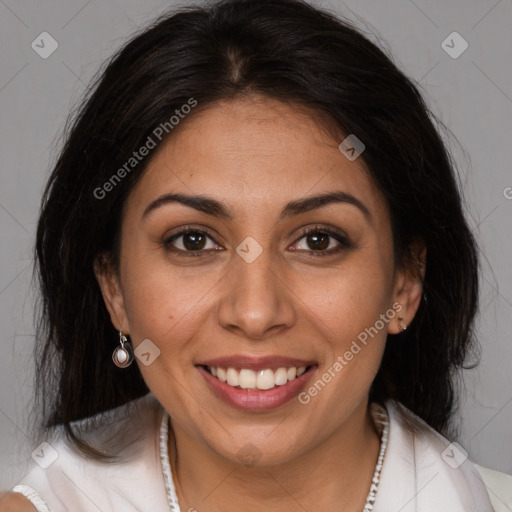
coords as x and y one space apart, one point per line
380 418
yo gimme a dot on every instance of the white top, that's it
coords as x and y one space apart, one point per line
422 471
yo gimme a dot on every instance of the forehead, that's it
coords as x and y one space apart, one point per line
255 153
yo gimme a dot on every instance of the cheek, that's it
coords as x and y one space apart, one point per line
351 310
352 316
163 301
351 298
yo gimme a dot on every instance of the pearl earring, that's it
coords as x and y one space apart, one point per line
123 354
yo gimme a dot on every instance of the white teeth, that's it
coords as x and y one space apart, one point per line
221 374
262 379
265 379
232 377
247 379
292 373
281 376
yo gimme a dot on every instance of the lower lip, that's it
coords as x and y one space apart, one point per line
256 400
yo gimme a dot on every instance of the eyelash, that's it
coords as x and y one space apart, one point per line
340 237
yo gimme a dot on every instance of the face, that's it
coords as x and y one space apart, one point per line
258 284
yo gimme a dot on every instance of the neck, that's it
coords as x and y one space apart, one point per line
333 476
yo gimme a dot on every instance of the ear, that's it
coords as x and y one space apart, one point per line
408 287
108 280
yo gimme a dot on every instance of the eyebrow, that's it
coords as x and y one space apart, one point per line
211 206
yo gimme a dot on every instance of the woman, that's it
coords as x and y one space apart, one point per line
257 280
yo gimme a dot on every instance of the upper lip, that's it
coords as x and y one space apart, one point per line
256 363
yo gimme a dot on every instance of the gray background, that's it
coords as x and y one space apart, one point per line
472 94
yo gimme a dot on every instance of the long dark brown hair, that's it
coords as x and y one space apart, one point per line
295 53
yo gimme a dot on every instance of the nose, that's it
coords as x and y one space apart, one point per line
257 300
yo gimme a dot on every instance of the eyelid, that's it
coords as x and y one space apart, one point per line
324 229
189 228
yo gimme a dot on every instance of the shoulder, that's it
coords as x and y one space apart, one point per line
418 449
120 432
15 502
62 478
499 486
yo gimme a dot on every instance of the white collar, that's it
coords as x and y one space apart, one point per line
421 471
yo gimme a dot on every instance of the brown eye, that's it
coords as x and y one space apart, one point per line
190 241
318 241
322 242
194 241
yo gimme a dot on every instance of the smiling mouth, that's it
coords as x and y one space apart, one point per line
260 380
